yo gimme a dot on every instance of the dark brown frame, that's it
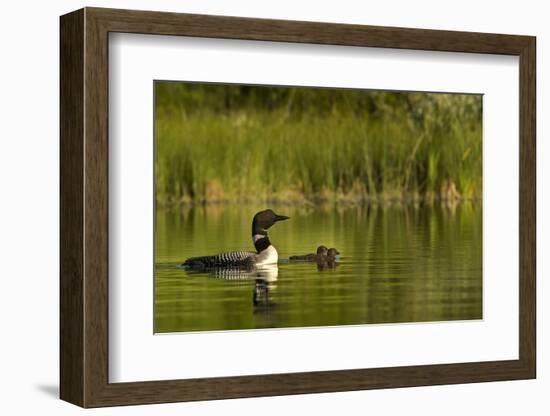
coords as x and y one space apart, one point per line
84 207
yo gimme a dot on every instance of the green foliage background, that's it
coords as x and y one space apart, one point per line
238 143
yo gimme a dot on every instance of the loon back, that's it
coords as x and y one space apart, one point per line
228 259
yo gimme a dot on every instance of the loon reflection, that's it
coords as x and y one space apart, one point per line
265 281
267 272
260 293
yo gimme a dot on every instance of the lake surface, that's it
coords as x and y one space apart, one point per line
396 264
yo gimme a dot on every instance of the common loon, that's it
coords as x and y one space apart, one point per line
265 252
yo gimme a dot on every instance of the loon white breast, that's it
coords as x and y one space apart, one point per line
267 256
265 252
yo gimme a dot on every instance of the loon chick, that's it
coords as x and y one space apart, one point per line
321 253
265 252
328 261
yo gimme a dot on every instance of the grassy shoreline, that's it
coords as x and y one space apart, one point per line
351 200
408 147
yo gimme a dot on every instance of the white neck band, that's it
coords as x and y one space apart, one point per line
257 237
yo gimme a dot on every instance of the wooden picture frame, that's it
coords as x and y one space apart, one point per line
84 207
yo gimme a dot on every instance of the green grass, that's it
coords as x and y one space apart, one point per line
364 147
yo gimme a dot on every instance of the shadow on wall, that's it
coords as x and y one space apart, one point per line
49 390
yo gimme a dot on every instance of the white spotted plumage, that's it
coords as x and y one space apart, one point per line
230 258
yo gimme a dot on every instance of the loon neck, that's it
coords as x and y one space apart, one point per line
261 242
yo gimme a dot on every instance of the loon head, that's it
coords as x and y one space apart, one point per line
322 250
263 220
332 252
260 224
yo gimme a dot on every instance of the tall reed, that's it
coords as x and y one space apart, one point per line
217 143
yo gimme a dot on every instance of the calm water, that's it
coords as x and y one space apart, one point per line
396 264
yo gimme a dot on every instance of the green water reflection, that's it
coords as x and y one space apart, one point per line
397 264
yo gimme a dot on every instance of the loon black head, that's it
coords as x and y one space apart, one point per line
332 252
262 221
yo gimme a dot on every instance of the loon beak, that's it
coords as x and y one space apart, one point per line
281 217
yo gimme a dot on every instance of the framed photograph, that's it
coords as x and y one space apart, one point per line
254 207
